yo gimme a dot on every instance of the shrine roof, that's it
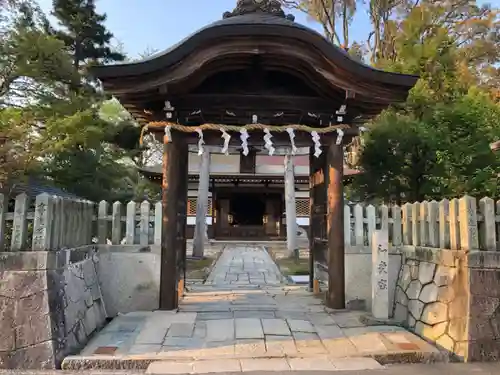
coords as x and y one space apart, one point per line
257 24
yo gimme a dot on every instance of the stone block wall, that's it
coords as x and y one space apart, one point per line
432 296
452 298
50 303
121 292
484 310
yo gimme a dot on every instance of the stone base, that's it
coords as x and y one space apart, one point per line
370 320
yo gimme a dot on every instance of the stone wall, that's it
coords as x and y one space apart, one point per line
452 298
123 293
431 296
484 310
50 303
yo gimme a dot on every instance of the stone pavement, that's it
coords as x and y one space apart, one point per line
491 368
244 265
243 319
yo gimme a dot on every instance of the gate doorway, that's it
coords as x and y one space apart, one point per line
252 214
247 209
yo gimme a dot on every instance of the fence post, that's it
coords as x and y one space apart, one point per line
380 274
4 202
454 229
130 223
116 223
384 218
19 227
396 226
56 223
433 224
42 223
89 221
469 239
424 225
415 232
347 225
158 218
102 224
144 223
371 220
358 225
444 227
407 240
488 231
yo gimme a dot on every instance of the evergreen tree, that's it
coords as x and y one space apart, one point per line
84 33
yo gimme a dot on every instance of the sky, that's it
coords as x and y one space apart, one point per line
142 25
158 24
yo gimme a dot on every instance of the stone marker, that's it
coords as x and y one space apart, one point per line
380 274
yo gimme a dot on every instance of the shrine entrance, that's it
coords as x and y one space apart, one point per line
248 215
255 78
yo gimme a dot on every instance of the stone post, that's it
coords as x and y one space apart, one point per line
200 230
102 227
380 274
116 224
42 223
158 218
19 226
144 223
3 213
130 223
290 209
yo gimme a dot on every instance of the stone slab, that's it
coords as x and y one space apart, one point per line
264 364
280 346
277 327
311 364
250 348
170 367
297 325
180 330
214 366
248 328
220 330
360 363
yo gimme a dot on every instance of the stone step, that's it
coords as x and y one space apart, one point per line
262 364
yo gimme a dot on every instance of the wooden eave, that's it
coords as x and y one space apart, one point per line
155 173
232 44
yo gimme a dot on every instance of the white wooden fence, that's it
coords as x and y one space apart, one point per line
457 224
50 222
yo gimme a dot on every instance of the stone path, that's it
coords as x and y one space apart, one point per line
243 319
244 265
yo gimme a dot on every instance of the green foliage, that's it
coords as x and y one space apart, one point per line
444 153
83 32
54 123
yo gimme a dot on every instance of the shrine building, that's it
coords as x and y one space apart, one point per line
270 105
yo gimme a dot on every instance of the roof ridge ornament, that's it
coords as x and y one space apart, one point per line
271 7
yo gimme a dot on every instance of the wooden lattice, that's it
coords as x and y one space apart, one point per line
191 206
302 206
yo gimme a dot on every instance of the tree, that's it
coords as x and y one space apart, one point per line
84 33
443 153
34 70
329 13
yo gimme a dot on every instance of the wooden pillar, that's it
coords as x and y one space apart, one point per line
182 218
290 208
311 233
200 229
335 227
170 196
